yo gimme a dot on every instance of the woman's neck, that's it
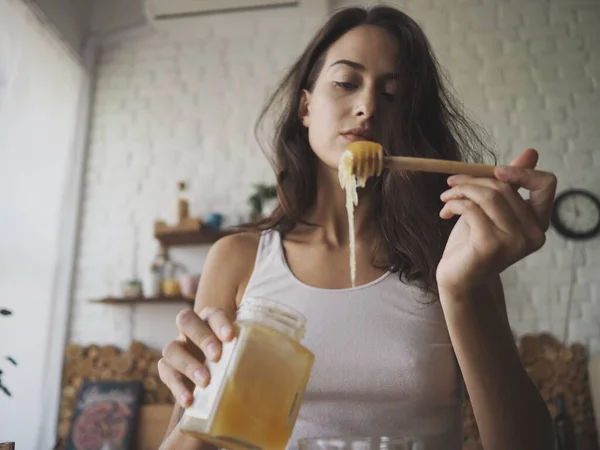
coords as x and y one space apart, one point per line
330 212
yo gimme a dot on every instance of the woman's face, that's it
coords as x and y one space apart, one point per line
352 93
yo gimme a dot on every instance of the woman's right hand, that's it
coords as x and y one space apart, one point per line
200 336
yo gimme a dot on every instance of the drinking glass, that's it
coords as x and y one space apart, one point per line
361 443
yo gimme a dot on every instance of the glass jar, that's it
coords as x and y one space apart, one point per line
256 387
361 443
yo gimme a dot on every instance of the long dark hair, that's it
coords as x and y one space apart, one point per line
427 121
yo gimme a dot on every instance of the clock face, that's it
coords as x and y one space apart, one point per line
576 214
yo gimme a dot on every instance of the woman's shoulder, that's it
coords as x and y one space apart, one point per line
235 256
242 245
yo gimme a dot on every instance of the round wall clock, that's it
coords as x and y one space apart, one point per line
576 214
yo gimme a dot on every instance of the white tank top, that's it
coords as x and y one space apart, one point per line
384 364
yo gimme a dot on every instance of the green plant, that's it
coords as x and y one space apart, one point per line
262 193
6 312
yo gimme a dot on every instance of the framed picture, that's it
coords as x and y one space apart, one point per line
105 415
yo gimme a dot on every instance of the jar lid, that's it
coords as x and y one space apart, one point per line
274 314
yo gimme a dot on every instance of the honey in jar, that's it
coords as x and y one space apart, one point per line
256 387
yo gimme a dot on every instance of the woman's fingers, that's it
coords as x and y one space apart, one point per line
219 322
541 186
522 211
199 333
179 358
181 366
528 158
468 209
480 226
180 387
491 201
455 208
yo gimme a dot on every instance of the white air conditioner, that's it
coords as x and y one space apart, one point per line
166 9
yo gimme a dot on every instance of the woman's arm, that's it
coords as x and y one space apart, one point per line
508 408
226 272
496 228
175 439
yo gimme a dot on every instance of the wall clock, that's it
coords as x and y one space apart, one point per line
576 214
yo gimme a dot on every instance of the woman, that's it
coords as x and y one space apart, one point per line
428 310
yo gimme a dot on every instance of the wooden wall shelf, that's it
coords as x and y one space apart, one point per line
189 232
179 238
146 300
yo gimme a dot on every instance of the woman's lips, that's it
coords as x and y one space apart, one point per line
355 137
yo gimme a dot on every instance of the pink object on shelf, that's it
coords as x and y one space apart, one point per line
189 284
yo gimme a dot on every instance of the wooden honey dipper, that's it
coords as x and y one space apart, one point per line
368 161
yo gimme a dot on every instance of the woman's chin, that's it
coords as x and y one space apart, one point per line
330 162
330 156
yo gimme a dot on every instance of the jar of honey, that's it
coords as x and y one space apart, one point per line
256 387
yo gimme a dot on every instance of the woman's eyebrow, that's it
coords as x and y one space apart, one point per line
361 68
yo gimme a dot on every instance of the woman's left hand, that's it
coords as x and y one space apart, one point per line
497 227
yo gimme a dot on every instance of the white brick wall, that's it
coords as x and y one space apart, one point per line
179 104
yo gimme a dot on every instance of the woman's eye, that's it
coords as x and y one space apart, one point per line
345 84
388 95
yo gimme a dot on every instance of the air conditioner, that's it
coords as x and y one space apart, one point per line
167 9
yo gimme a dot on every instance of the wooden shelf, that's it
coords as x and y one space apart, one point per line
191 231
141 300
178 238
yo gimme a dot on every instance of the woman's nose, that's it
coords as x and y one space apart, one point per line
365 104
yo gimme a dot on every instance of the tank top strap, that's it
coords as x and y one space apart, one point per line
269 264
269 249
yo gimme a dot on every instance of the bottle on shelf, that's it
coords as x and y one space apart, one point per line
183 203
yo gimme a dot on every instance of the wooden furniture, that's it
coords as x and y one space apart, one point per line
555 369
152 426
147 300
108 362
594 377
191 232
7 446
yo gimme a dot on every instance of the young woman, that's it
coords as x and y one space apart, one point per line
428 310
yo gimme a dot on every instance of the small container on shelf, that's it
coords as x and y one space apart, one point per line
189 284
214 221
170 282
170 287
156 274
132 289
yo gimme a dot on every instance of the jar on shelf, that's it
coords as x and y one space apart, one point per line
170 284
156 274
256 387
